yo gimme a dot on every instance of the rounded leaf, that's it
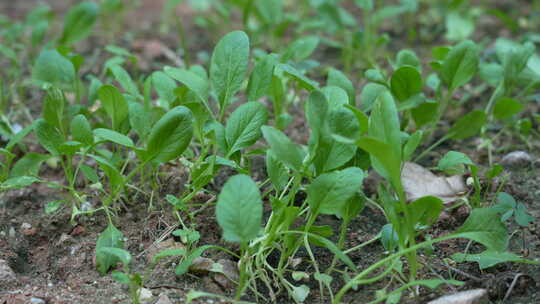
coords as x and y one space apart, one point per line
171 135
239 209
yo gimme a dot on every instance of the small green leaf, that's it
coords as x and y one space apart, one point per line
406 82
124 79
302 79
490 258
460 64
331 191
81 130
138 120
122 255
51 207
260 79
168 253
115 105
283 148
425 210
300 49
412 143
29 164
229 65
191 80
452 162
506 108
484 226
115 137
48 136
183 267
53 68
79 22
239 213
171 135
244 126
110 237
276 170
338 79
18 182
53 108
468 125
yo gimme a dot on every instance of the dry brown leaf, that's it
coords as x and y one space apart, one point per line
419 182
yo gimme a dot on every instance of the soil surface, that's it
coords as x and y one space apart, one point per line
53 257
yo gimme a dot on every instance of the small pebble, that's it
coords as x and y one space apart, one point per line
145 294
7 276
37 301
517 159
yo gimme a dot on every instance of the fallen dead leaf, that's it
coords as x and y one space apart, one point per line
474 296
419 182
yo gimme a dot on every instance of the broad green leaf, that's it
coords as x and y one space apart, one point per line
115 105
18 182
110 237
405 83
48 136
331 191
113 136
338 79
244 126
460 64
239 213
425 210
506 108
522 217
425 113
81 130
171 135
53 68
468 125
484 226
120 254
260 79
490 258
53 108
79 22
191 80
284 149
28 165
452 162
229 65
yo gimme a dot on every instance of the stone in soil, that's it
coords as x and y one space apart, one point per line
7 276
517 159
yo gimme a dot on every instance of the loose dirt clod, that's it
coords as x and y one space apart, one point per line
516 159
